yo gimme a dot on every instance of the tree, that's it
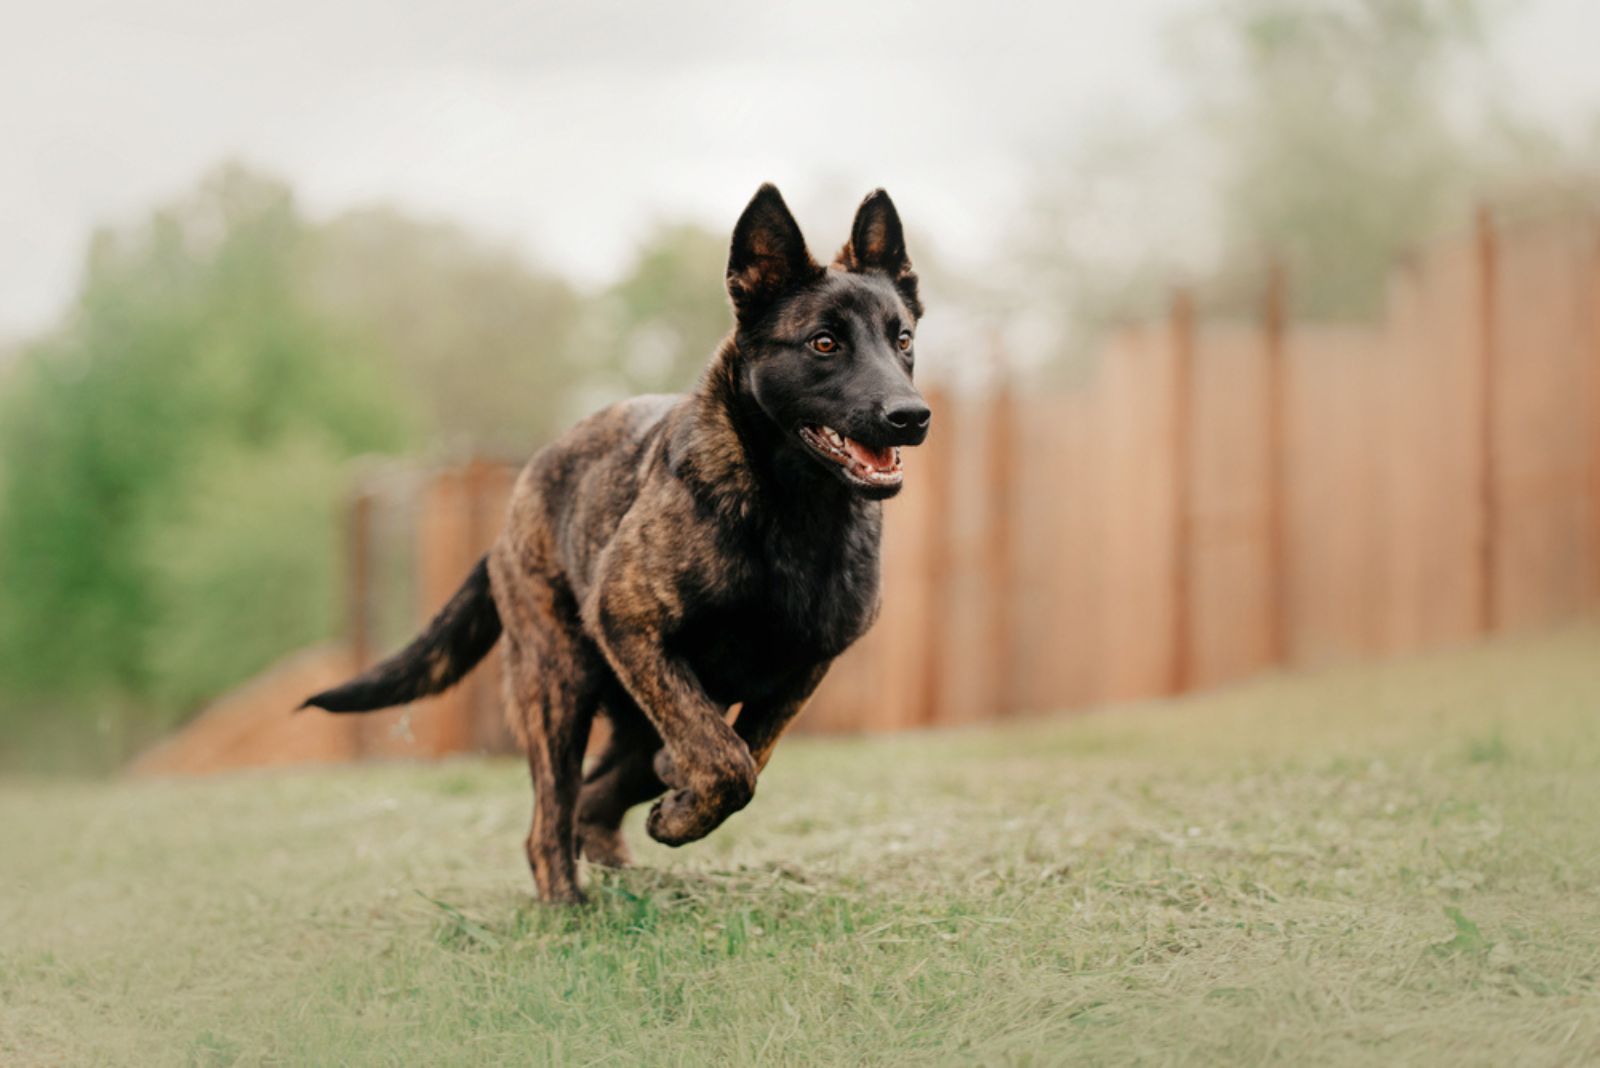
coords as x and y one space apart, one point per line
1335 134
1347 132
657 326
489 347
190 347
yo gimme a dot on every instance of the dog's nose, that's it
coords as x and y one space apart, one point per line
909 416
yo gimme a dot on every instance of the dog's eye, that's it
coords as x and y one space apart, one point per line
825 343
905 341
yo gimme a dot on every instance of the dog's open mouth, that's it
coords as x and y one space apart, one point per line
862 464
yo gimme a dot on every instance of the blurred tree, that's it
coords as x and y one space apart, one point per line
654 329
1348 130
191 345
1110 227
173 457
1337 134
489 347
246 569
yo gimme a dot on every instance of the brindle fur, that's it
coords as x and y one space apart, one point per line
671 557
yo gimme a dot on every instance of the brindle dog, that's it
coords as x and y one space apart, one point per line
672 557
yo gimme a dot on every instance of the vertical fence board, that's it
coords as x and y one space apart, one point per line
1545 416
1447 348
1138 545
1404 403
1230 549
1000 479
968 673
1337 453
1275 455
488 494
1057 565
1180 460
1486 458
1592 266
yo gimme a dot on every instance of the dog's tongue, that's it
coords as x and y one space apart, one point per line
868 456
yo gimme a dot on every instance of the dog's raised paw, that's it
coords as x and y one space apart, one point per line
677 819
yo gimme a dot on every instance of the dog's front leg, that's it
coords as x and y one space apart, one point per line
762 723
714 774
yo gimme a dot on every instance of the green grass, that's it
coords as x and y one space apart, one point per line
1380 866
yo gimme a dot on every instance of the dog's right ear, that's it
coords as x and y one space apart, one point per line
768 256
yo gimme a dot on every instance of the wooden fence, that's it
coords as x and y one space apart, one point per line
1224 497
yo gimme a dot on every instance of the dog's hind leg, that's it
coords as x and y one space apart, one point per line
622 776
553 677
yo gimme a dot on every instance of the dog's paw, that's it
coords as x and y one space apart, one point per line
603 845
677 818
564 895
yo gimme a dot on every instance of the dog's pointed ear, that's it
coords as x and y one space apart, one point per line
768 256
878 243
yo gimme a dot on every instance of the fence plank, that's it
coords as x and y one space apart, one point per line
1228 550
1181 447
1487 459
1544 423
1275 454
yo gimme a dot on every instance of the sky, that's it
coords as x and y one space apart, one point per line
565 129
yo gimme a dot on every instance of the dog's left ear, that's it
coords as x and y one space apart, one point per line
878 243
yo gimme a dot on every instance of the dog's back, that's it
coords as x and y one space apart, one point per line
574 492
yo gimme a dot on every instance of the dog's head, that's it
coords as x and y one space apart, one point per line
827 352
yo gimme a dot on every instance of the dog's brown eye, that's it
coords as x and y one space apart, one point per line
825 343
905 341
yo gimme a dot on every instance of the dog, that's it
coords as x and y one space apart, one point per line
671 557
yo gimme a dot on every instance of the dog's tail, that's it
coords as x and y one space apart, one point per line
458 637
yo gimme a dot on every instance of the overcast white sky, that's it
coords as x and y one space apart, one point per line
564 128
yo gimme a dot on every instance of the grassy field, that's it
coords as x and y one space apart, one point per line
1392 865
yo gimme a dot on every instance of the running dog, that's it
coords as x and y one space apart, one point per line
672 557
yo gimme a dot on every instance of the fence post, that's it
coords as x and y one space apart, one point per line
358 592
480 707
997 553
1487 460
1594 407
1274 321
937 464
442 526
1182 326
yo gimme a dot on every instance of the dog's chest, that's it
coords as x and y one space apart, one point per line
796 602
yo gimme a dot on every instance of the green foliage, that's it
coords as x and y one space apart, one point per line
656 326
243 569
173 457
1336 135
190 349
502 356
491 348
1342 141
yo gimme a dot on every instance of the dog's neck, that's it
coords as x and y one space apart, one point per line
732 455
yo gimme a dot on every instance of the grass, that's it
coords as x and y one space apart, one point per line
1387 865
